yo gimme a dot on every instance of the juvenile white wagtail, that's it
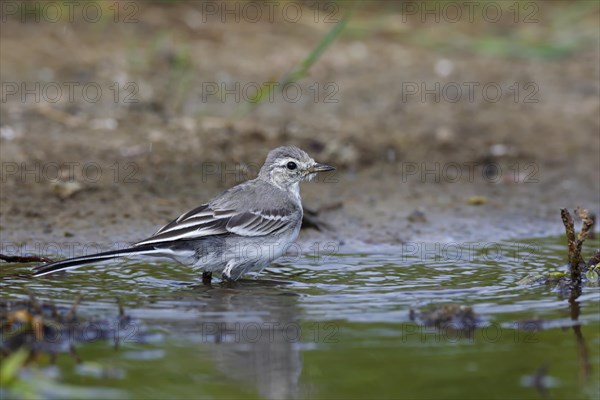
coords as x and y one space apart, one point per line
243 229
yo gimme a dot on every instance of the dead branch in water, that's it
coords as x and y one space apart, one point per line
570 229
576 264
588 223
575 244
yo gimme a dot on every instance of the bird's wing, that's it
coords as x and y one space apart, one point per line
260 222
208 220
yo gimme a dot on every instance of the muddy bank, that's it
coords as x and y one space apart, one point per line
411 166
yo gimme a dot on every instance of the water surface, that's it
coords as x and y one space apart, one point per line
330 327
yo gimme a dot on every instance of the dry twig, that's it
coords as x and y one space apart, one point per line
576 263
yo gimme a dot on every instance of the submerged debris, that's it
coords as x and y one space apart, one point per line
44 328
578 271
448 316
34 332
550 279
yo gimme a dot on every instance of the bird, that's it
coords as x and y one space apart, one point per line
241 230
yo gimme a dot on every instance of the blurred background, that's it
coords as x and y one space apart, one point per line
163 98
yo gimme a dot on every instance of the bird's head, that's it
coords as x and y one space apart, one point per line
288 165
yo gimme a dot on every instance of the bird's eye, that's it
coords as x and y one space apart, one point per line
291 165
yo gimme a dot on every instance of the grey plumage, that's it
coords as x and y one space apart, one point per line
243 229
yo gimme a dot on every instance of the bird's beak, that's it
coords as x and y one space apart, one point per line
320 168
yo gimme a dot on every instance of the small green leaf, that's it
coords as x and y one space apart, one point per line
592 276
12 365
556 275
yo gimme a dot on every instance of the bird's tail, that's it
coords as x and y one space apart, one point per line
77 262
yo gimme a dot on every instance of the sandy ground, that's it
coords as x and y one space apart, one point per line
410 168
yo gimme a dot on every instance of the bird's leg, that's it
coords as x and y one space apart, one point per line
227 271
206 277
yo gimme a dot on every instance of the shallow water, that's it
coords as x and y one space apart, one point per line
334 327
